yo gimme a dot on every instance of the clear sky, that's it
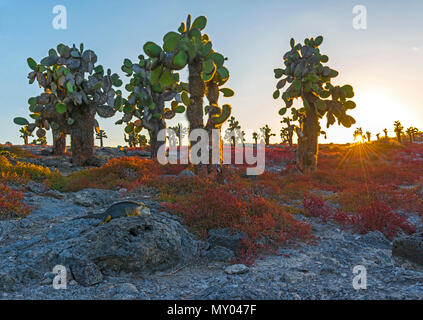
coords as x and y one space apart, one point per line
383 63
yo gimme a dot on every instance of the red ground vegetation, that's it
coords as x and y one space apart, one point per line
11 203
370 185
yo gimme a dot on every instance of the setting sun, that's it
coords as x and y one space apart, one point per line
378 109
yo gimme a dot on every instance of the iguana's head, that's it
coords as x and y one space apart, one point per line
139 210
143 210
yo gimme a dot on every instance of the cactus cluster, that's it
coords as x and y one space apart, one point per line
180 132
142 140
135 139
267 134
148 91
412 132
399 130
206 76
40 141
358 133
75 89
25 134
155 81
131 139
207 73
308 79
287 132
71 98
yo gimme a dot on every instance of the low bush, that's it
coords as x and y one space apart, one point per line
375 217
205 205
11 203
117 173
316 206
22 172
15 152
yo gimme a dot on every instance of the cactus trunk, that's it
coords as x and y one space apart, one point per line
82 135
307 150
25 140
154 143
196 89
59 142
213 97
154 126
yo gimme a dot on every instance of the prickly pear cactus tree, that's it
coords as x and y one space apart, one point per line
368 135
45 119
308 79
412 133
217 115
180 132
131 140
267 134
25 134
101 135
152 83
399 130
287 132
255 137
358 134
133 136
41 141
142 140
233 131
206 73
75 90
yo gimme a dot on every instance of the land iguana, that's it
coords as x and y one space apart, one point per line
120 210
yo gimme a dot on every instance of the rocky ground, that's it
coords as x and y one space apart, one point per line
157 258
64 163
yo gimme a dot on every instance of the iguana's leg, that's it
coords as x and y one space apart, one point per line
106 220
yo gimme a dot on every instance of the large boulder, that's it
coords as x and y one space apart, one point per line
138 245
134 245
409 247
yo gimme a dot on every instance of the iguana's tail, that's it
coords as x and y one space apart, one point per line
91 216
